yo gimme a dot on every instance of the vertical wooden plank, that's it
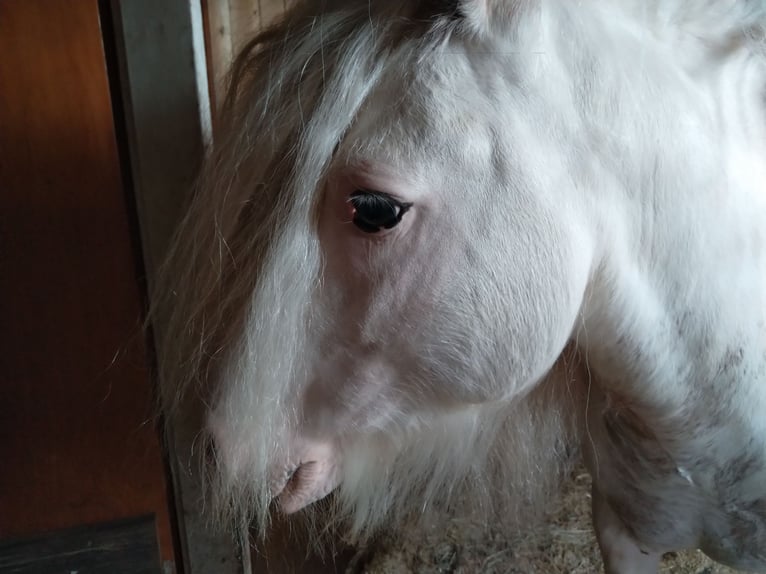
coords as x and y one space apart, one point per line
219 47
245 17
271 10
231 24
165 90
77 437
167 105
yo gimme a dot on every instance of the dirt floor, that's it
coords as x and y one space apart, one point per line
565 544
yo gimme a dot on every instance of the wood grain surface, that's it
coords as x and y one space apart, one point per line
117 547
78 442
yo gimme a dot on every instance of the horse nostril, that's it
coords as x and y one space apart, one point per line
293 482
298 477
290 477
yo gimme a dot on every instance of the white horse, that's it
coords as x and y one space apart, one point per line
440 244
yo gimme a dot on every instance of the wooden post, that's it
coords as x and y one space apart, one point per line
231 24
220 49
164 88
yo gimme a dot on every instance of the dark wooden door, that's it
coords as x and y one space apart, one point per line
78 440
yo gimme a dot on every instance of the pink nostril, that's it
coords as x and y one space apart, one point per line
291 475
298 481
293 479
310 482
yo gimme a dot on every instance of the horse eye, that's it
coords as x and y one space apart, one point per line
375 210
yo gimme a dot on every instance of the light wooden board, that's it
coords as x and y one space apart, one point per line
164 81
231 24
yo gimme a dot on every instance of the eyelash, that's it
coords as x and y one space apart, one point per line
390 210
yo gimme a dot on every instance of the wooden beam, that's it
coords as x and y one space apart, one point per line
245 18
219 46
231 24
164 85
271 10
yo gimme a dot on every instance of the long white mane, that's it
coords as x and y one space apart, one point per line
245 262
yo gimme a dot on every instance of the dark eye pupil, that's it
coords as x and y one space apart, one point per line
375 211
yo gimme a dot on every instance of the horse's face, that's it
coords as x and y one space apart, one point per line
454 257
453 265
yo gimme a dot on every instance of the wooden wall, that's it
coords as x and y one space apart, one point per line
230 24
78 441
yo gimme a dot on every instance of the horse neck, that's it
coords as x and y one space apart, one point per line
677 303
